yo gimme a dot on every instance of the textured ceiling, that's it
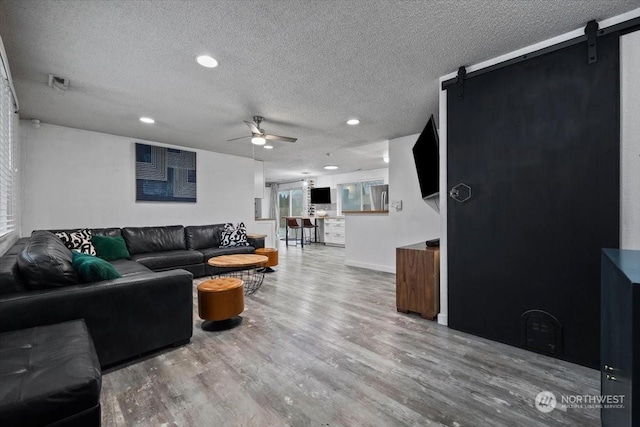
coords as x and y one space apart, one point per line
306 66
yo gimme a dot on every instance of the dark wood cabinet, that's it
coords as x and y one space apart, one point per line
620 336
418 280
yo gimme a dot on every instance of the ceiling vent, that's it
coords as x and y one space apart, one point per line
57 82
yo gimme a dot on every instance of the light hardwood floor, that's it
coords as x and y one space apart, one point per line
322 344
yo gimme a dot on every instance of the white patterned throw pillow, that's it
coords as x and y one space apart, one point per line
79 240
234 236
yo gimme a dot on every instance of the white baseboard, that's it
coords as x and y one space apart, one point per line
443 319
368 266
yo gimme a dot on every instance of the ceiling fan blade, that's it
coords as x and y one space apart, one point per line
253 127
241 137
279 138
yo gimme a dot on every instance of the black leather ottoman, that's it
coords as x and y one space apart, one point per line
49 375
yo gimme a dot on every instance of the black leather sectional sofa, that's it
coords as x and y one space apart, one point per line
150 307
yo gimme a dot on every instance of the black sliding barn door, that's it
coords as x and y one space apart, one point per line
538 145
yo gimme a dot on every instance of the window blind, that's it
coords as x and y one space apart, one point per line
8 158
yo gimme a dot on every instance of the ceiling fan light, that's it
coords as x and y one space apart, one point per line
258 140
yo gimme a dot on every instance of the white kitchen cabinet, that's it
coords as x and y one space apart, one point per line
334 231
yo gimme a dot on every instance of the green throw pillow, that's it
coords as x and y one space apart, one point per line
110 248
93 269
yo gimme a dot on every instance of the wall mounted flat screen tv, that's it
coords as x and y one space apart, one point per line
321 195
427 158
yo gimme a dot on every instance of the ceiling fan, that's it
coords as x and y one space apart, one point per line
259 137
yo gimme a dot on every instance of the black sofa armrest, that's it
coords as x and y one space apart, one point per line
256 242
126 317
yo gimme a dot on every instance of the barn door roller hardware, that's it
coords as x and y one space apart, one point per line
623 27
591 31
462 73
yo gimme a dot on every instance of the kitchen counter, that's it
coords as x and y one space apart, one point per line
316 217
329 230
365 212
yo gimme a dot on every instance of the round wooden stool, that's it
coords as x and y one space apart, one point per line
272 254
220 301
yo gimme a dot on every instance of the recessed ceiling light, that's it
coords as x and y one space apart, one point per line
385 159
353 122
258 140
207 61
147 120
331 167
268 147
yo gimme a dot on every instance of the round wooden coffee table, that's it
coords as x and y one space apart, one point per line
249 268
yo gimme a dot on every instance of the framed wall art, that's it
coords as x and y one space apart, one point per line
165 174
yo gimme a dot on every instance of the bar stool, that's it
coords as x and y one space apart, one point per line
292 223
307 224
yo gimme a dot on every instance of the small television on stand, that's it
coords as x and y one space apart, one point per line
426 155
321 196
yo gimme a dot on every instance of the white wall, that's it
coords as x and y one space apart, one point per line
342 178
266 203
416 222
76 178
443 316
267 227
630 141
372 239
258 179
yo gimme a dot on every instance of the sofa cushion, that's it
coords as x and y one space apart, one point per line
203 236
127 267
110 248
168 259
9 275
45 262
93 269
17 247
214 252
77 239
48 374
234 236
142 240
111 232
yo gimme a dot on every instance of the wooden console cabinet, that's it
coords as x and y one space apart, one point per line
418 280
